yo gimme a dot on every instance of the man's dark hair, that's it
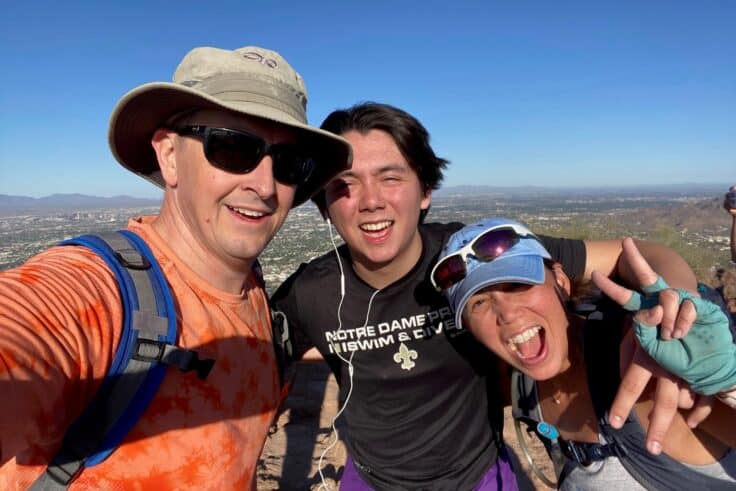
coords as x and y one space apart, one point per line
408 133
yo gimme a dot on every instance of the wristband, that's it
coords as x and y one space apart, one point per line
637 301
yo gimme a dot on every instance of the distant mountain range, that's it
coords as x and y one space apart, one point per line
72 201
80 201
638 189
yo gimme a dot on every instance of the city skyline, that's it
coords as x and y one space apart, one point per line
694 224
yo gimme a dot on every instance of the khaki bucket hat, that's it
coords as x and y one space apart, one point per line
250 80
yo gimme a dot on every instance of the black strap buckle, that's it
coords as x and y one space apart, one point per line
153 351
132 259
65 473
149 350
587 453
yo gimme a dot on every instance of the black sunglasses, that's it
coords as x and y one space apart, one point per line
486 246
239 152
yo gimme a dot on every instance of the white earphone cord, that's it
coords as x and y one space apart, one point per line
348 361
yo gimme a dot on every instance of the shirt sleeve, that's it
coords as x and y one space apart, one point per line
570 253
58 313
286 301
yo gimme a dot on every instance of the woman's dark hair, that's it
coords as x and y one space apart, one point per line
408 133
581 291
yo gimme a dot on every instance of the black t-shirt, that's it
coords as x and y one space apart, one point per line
420 415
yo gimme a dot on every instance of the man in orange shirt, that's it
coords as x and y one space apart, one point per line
229 142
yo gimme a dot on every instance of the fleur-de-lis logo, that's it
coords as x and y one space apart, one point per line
405 357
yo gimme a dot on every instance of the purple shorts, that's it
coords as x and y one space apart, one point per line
500 477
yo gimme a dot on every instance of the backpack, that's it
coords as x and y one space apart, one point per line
146 348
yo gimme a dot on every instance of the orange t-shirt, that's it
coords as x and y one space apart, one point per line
60 321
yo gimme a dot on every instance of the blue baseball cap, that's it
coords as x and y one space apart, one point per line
522 263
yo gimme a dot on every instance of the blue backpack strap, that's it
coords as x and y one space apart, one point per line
145 349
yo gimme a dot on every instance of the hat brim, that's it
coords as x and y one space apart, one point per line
143 110
527 269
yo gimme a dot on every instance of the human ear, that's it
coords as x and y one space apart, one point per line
561 279
163 143
426 200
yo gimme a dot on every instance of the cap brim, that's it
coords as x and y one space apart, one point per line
146 108
528 269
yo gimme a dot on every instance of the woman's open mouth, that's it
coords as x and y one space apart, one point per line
529 345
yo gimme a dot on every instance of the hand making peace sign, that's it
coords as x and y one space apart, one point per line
702 354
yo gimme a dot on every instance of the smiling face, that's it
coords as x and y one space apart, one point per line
214 218
375 207
526 325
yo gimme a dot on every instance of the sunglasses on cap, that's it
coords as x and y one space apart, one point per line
239 152
487 246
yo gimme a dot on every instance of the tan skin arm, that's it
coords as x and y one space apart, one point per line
720 424
608 258
605 256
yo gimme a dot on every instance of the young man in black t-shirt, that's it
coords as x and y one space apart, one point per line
420 395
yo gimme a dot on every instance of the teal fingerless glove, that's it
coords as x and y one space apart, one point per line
705 358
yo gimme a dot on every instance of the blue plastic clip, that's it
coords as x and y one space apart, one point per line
547 430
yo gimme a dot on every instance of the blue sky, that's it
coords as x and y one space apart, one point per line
513 93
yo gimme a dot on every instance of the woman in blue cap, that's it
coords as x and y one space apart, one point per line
504 288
